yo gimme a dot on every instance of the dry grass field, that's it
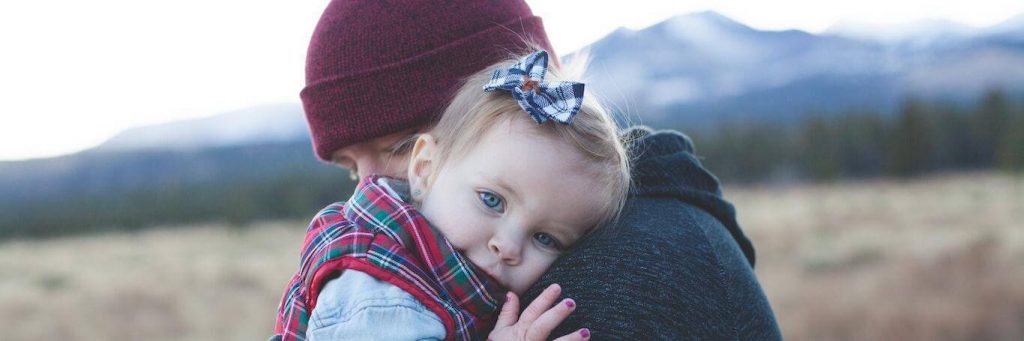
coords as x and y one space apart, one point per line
940 258
931 259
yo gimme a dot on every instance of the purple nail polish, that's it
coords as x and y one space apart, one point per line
585 332
570 303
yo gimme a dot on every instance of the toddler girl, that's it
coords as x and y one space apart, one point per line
519 168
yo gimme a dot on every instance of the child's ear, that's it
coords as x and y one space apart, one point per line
421 165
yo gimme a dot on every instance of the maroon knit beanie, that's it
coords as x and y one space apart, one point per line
378 67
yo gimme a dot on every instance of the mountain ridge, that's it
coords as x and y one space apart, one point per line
700 68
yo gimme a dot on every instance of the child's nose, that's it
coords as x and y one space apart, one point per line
507 249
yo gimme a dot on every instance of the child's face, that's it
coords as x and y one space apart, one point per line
513 203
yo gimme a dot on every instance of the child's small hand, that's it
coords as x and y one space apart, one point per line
535 323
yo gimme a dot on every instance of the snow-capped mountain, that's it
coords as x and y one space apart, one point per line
697 69
704 67
919 32
261 124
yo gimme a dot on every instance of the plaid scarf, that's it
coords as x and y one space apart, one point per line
380 234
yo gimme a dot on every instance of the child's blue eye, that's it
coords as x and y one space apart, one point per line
547 240
492 200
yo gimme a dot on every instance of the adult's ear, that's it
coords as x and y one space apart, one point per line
421 165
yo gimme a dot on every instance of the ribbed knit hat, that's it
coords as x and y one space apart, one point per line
378 67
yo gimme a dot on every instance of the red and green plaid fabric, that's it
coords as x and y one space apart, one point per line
378 233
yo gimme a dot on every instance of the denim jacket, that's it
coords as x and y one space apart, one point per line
356 306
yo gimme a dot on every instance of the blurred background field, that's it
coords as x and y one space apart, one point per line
937 258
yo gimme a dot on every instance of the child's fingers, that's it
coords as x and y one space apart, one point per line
582 334
540 304
509 311
542 327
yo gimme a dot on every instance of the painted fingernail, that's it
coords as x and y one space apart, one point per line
585 332
570 303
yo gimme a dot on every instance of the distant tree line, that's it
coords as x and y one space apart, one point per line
132 191
920 138
238 204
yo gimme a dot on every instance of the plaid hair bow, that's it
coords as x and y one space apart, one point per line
544 101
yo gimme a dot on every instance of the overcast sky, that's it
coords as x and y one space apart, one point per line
74 73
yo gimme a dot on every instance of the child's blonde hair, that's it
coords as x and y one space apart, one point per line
592 131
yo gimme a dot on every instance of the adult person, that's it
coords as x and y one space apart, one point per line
677 265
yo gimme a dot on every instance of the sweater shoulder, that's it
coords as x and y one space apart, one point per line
683 278
718 283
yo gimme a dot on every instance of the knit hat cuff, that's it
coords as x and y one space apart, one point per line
410 93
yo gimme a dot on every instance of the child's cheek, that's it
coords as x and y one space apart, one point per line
467 223
534 270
